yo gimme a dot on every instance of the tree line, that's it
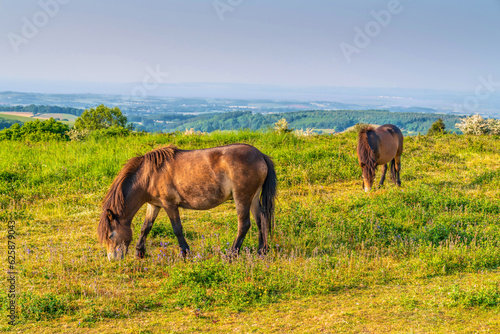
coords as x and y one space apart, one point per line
43 109
337 120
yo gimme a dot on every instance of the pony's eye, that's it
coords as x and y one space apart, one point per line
111 235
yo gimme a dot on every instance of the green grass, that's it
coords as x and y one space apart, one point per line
70 118
414 258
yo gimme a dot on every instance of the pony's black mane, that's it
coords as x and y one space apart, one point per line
115 199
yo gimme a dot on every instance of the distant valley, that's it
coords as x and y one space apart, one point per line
167 114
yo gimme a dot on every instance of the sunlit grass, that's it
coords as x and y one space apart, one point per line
330 237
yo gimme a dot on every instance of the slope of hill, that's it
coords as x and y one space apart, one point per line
21 114
23 117
423 257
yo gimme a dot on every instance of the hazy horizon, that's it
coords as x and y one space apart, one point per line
113 88
59 44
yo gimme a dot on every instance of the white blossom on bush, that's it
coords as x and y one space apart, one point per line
193 132
473 125
307 133
494 126
282 126
78 135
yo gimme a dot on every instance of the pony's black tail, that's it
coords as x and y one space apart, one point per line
393 171
267 197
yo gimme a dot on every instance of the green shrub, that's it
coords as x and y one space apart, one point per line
113 131
35 131
437 128
101 117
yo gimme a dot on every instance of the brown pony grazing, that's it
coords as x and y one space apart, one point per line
378 146
171 178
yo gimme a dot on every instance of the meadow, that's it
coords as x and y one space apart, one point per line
420 258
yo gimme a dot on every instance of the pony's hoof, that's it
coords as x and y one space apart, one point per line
230 255
263 251
140 254
233 252
184 253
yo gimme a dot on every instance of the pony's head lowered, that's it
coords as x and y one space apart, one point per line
117 236
114 229
366 156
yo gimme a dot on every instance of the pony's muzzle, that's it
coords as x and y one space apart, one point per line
116 254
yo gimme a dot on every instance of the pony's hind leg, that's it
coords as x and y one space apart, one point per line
243 212
382 178
398 170
395 170
257 215
175 220
151 214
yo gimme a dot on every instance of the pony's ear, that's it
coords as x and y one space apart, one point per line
113 222
110 215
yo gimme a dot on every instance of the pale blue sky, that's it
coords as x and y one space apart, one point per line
443 44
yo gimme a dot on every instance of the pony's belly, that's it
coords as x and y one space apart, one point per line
383 161
204 194
203 203
387 156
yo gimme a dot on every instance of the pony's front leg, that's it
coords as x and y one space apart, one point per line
382 178
151 214
175 219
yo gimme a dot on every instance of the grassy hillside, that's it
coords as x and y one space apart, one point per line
24 117
420 258
59 117
19 118
26 113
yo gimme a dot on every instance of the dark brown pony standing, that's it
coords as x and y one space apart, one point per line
379 146
171 178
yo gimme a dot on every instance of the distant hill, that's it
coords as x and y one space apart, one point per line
327 120
322 120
